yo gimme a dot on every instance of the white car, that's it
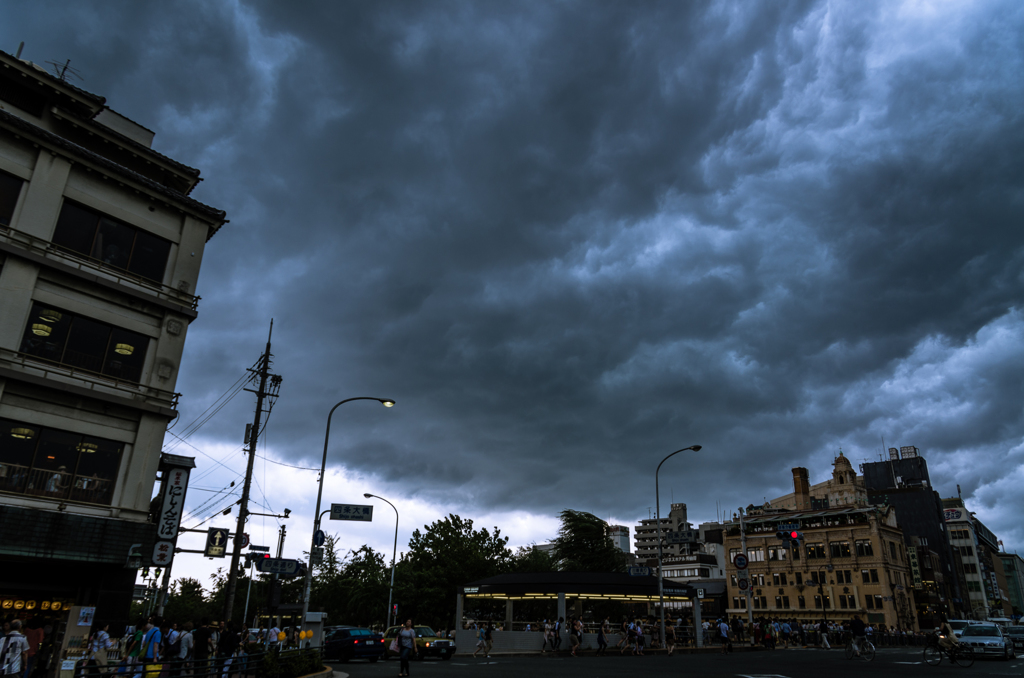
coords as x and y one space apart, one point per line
988 640
958 625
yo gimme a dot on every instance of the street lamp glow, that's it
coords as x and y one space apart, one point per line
388 403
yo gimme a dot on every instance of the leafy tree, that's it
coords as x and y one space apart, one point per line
583 545
532 559
448 554
186 600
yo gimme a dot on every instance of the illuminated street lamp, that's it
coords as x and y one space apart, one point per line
386 402
657 514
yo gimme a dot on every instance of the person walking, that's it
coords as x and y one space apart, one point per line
99 643
407 647
823 633
602 631
481 640
150 653
13 650
670 639
623 635
723 632
488 639
575 634
547 637
558 632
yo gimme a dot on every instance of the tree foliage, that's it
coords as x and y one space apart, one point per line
583 545
446 555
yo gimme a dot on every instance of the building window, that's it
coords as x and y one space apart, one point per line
801 602
869 576
970 568
47 462
10 189
114 243
75 341
892 550
785 602
815 551
776 553
778 603
799 578
844 577
873 601
842 603
755 555
817 602
739 603
839 549
966 550
758 578
864 547
732 579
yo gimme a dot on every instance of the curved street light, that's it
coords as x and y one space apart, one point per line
394 550
657 504
386 402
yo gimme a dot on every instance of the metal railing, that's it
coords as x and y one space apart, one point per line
91 380
55 484
272 663
83 263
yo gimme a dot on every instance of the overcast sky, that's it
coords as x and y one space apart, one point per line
569 238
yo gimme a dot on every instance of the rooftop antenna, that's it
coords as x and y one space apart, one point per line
63 71
20 47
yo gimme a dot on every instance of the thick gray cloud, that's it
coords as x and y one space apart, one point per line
570 238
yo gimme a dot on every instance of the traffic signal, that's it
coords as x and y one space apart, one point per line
145 573
796 537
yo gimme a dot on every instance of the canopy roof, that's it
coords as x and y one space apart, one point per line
587 585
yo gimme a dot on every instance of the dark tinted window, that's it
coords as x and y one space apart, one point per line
111 242
10 189
76 341
57 464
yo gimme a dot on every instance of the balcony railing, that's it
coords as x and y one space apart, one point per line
83 263
100 383
51 484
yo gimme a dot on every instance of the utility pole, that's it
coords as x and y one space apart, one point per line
243 510
739 573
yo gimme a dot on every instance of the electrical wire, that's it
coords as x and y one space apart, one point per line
281 463
223 399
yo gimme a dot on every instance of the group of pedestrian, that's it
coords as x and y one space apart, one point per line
209 649
22 644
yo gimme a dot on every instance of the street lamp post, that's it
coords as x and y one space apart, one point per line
821 592
394 550
386 402
657 514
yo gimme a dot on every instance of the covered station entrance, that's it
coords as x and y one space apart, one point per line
560 586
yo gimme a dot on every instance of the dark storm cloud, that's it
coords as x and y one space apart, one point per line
570 238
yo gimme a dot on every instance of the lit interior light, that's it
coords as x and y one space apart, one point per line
41 329
88 447
124 349
51 316
23 433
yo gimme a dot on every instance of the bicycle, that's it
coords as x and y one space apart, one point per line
959 655
867 649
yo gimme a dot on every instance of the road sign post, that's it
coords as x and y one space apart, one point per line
216 542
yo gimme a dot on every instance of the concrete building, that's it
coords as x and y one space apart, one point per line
853 559
619 534
100 251
1013 568
903 482
844 488
987 592
646 533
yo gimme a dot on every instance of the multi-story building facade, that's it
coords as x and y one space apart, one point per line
852 560
1013 568
646 533
904 483
100 250
982 570
619 534
844 488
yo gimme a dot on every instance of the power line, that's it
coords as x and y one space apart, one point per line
281 463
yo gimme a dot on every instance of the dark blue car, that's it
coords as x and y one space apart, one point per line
353 642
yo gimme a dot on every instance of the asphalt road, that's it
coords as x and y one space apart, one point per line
895 663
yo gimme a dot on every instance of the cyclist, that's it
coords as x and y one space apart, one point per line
858 629
947 639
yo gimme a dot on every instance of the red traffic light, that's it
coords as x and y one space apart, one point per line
794 535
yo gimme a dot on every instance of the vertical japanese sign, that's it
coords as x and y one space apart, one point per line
172 508
915 567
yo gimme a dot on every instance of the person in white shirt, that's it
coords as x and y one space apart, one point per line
13 650
186 642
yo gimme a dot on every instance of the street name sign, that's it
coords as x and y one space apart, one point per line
253 547
639 571
351 512
789 527
278 566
